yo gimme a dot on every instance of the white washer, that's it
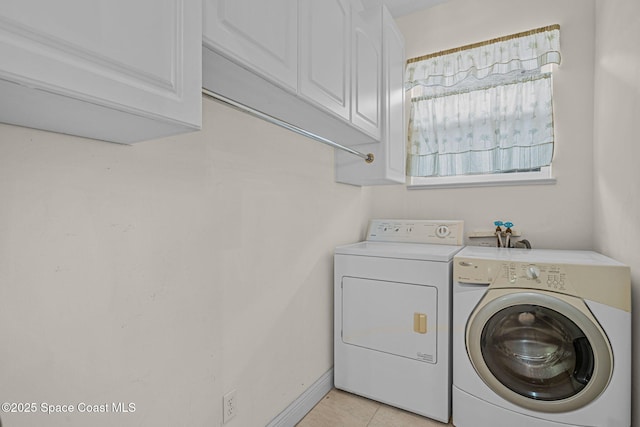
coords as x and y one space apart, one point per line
392 340
540 338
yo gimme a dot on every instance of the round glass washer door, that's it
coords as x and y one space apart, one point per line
538 350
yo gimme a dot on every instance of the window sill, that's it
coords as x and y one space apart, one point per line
542 177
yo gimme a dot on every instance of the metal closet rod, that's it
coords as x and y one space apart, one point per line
367 157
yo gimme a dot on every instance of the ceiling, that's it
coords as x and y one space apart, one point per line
403 7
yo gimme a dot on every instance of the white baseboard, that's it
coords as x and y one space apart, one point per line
305 402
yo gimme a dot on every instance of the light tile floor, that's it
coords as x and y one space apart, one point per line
341 409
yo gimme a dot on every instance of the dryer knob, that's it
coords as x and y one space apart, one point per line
442 231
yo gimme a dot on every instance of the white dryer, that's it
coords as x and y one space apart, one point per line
540 338
392 338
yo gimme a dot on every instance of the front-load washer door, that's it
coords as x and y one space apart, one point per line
539 350
390 317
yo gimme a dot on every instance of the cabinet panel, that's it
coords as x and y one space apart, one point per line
367 72
138 58
98 36
325 54
259 33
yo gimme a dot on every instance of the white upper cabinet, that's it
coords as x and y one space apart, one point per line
389 164
289 59
332 68
367 71
114 70
341 61
262 34
325 55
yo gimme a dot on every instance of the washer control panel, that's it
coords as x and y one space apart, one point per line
549 276
502 274
445 232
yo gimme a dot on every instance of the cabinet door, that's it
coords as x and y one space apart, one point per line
107 69
388 166
394 129
325 62
261 34
366 98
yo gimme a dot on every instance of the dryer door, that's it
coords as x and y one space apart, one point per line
539 350
390 317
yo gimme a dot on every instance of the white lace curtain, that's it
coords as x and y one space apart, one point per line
484 108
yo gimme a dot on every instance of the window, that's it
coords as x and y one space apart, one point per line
483 114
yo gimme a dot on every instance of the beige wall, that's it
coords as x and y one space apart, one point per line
169 272
552 216
617 148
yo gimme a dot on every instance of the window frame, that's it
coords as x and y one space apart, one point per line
542 177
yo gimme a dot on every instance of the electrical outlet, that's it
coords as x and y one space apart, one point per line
229 407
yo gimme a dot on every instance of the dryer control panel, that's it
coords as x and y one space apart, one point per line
445 232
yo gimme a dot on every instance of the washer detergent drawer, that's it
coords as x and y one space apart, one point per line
390 317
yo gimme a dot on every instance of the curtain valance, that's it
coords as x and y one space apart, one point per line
517 53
